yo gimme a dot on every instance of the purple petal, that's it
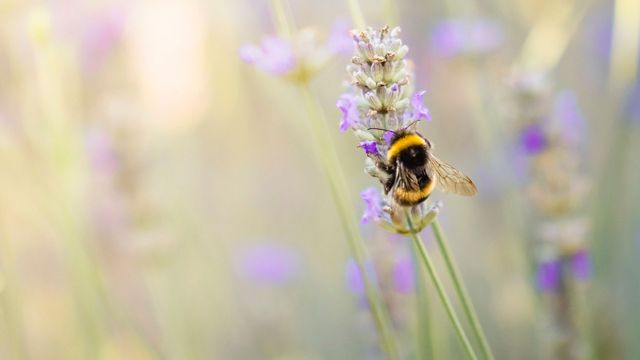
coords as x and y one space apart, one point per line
548 275
353 276
373 205
370 148
347 106
419 111
581 264
388 137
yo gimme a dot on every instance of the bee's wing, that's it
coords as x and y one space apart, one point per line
450 179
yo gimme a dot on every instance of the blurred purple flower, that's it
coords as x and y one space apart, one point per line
102 34
549 275
370 147
274 55
581 264
340 40
572 124
419 111
533 139
373 205
466 36
403 272
269 264
347 104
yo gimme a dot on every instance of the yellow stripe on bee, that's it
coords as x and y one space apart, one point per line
414 197
403 143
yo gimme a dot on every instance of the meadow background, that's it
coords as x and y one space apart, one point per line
159 198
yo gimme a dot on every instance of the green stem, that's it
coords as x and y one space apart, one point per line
441 292
356 14
424 340
328 158
461 291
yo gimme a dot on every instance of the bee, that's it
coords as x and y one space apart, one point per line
413 172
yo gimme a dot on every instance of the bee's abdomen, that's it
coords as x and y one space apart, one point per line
406 197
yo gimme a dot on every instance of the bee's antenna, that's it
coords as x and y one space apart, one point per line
375 128
413 122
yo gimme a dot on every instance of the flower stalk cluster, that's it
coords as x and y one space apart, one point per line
380 100
551 137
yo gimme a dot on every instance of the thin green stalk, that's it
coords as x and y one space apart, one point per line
424 339
356 14
461 291
331 167
441 292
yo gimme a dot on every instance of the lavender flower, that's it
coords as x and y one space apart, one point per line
268 264
466 36
581 264
274 55
370 148
373 202
296 59
381 96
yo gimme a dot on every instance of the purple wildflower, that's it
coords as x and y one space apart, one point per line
466 37
274 55
269 264
373 205
581 264
370 148
340 40
347 104
549 275
403 281
533 139
419 111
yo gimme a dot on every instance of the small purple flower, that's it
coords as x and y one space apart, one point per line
419 111
370 148
581 264
533 139
269 264
350 118
549 275
388 136
274 55
373 205
340 40
403 272
466 37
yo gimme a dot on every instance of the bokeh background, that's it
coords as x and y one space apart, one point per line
159 197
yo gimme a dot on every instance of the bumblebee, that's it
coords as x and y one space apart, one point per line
413 171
